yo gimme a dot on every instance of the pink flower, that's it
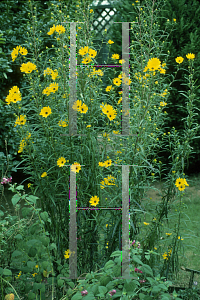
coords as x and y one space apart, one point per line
138 271
112 292
85 292
133 243
142 281
6 180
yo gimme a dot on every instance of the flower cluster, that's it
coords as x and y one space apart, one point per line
18 50
106 163
167 255
50 89
6 180
23 143
14 95
138 270
82 108
28 67
59 29
107 181
181 183
180 59
108 110
53 73
21 120
91 53
97 72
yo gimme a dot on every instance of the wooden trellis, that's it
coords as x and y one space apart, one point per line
125 168
103 16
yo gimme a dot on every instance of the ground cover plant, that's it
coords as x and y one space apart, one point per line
41 250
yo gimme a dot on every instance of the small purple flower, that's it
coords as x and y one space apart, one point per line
85 292
133 243
112 292
5 181
142 281
138 271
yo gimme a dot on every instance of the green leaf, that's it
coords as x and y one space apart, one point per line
109 265
32 198
71 284
147 269
156 289
7 272
60 282
18 237
89 296
44 216
17 253
15 199
116 253
31 296
102 289
77 296
129 287
20 187
31 264
137 260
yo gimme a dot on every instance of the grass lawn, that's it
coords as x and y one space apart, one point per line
189 228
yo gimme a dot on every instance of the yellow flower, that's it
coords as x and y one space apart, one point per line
153 64
77 105
60 29
146 223
61 161
86 60
44 174
48 71
14 53
190 56
174 20
91 11
110 42
94 200
88 126
117 81
168 234
14 96
115 56
47 91
28 67
109 88
21 120
180 238
29 185
52 29
83 51
45 111
23 51
62 123
179 59
83 109
126 81
92 53
68 253
121 61
53 87
54 74
75 167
